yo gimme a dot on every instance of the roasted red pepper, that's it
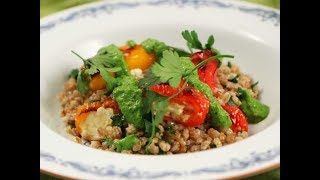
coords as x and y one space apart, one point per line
239 121
207 73
165 89
190 107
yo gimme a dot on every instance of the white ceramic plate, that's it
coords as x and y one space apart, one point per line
248 31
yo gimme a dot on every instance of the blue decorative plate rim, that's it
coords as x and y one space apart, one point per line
134 173
234 164
265 14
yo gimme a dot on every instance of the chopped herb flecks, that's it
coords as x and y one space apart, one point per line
131 43
235 79
254 84
109 141
229 64
117 120
170 130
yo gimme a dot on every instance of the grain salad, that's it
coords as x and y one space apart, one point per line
153 98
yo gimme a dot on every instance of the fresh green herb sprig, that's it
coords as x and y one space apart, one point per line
193 41
91 67
149 80
108 59
170 69
153 45
83 80
235 79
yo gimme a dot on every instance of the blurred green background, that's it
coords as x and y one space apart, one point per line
50 6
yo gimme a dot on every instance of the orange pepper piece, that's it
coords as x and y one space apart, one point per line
84 110
97 82
137 57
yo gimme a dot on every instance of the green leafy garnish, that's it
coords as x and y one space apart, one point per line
235 79
254 84
192 40
112 55
210 42
194 43
82 82
127 143
108 78
169 69
215 51
181 52
74 73
153 45
131 43
149 80
96 64
109 141
108 59
118 119
159 109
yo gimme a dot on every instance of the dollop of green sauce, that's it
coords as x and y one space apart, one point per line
254 110
129 98
126 143
219 118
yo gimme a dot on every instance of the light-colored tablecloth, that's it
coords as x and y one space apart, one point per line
50 6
